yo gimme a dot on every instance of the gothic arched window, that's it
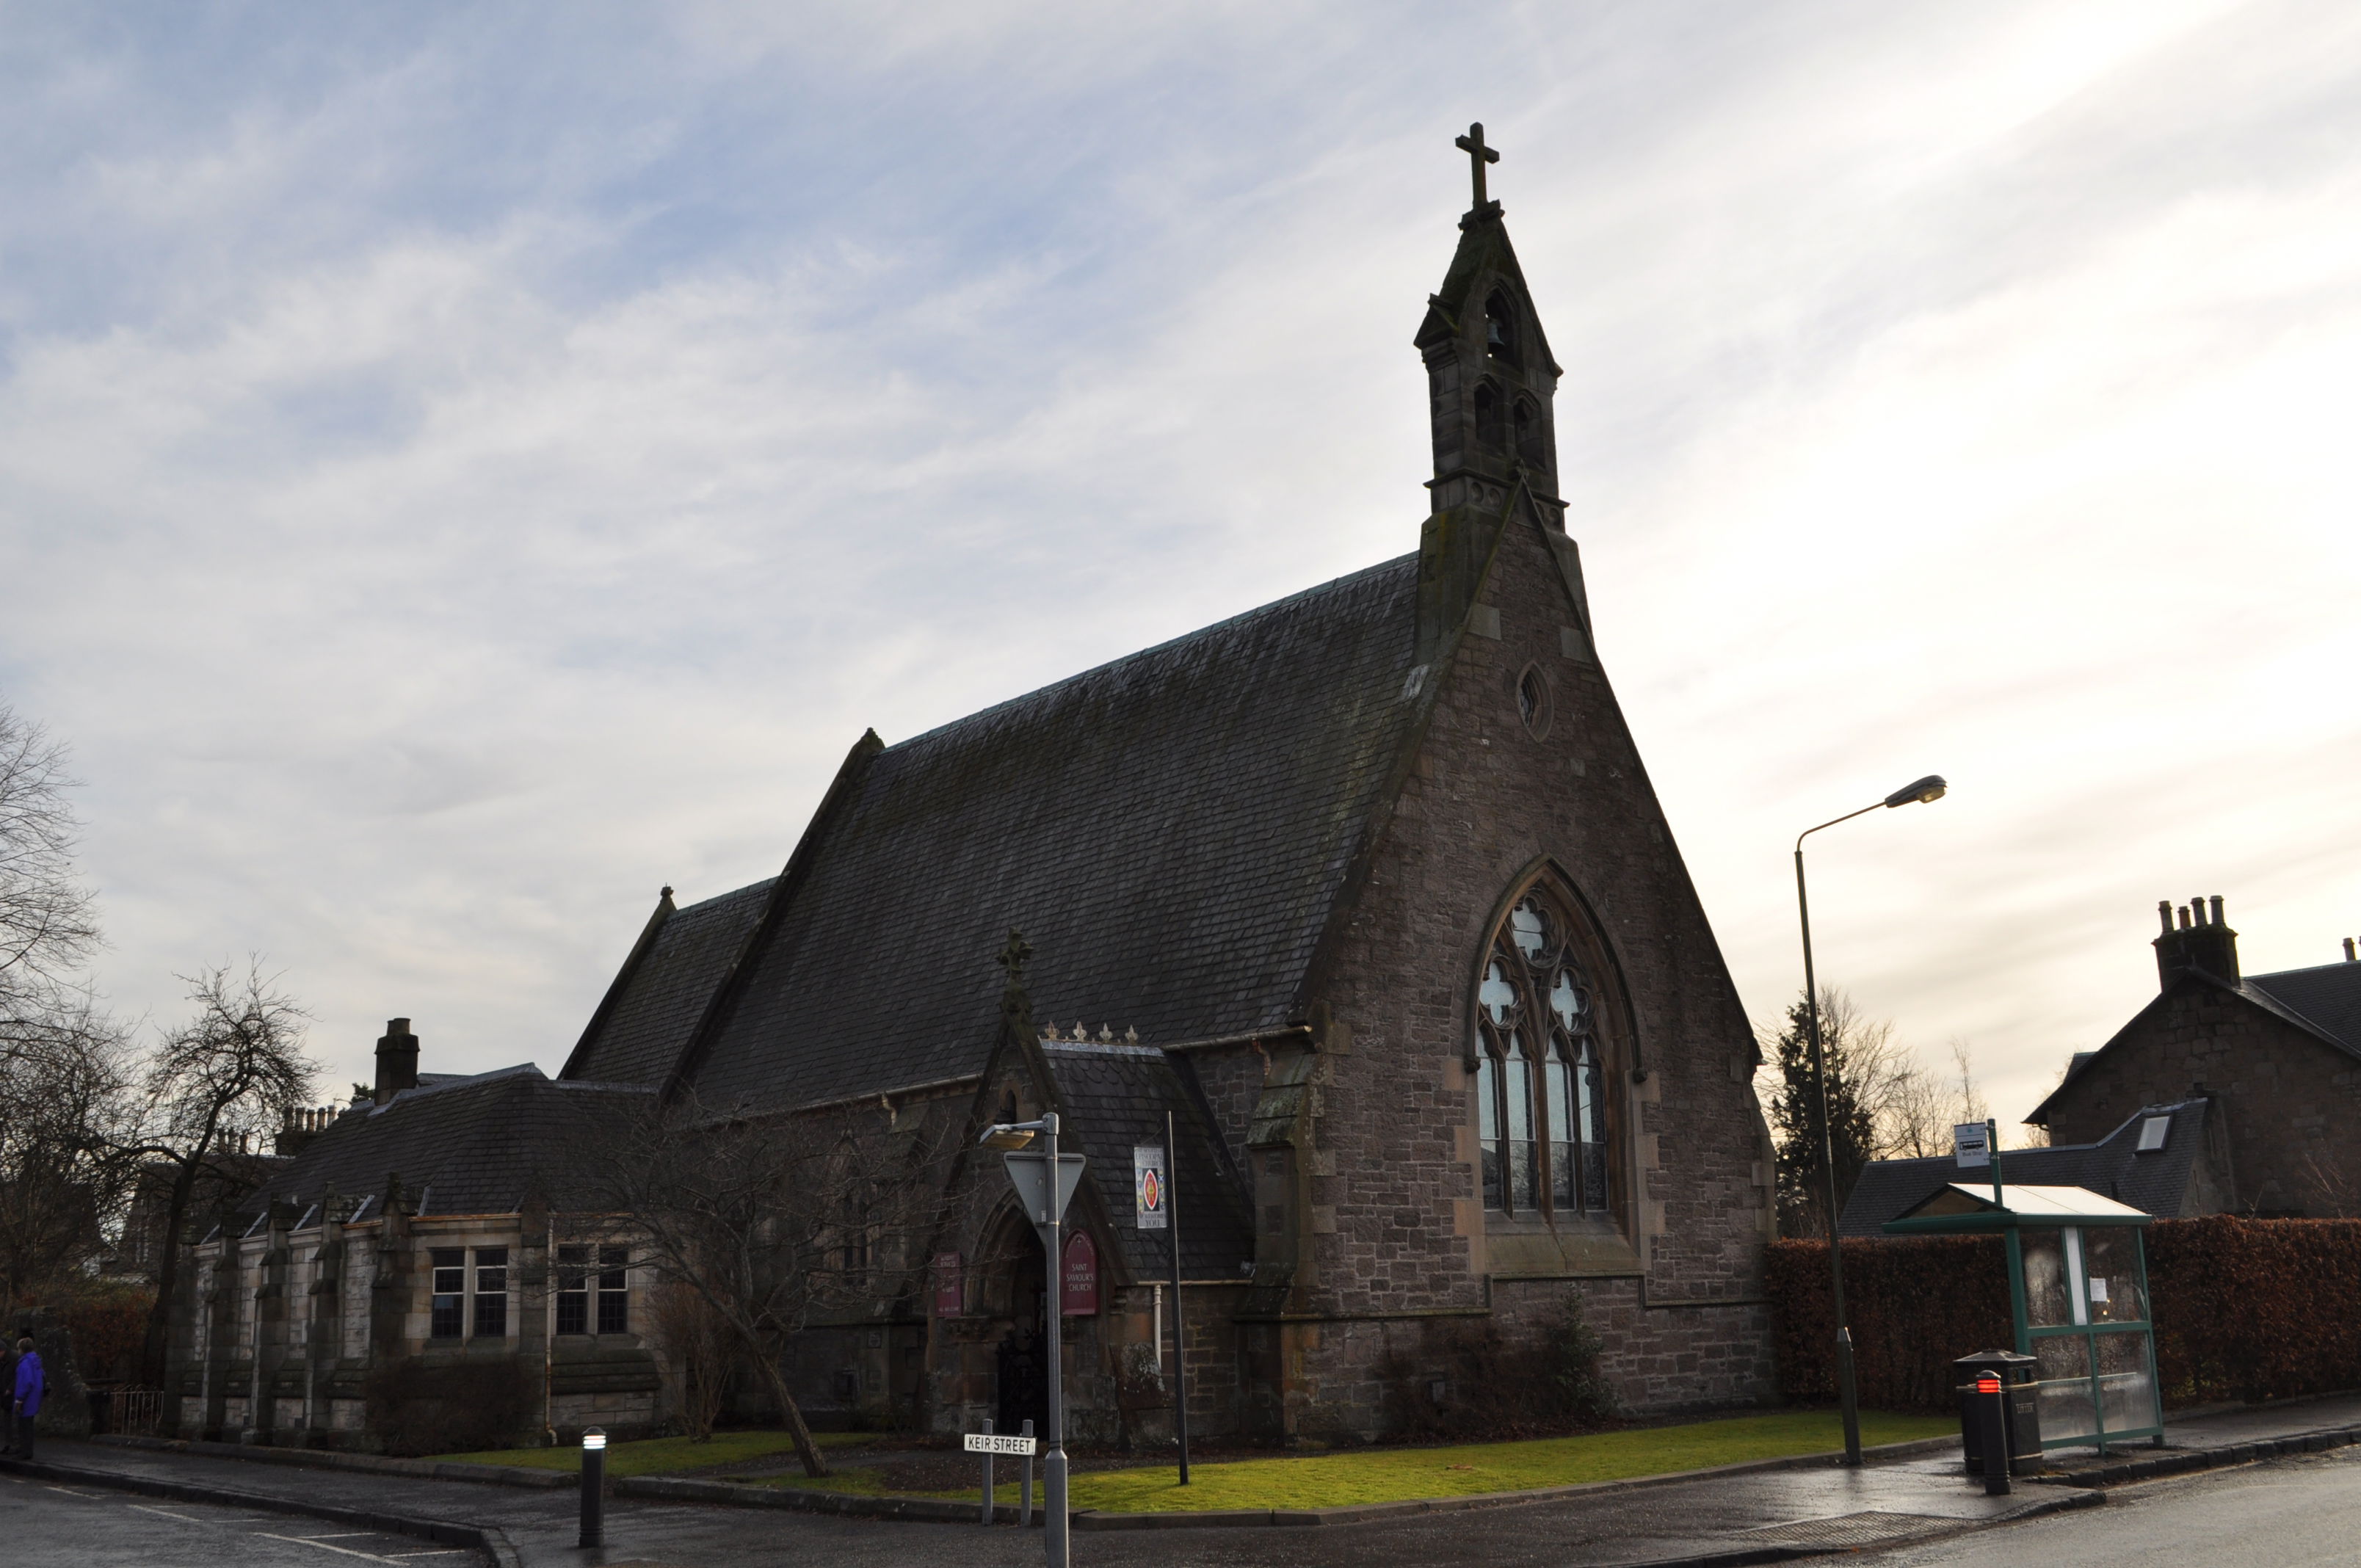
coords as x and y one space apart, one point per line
1530 448
1499 328
1487 415
1540 1080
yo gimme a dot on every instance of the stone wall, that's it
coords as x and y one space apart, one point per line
1394 1224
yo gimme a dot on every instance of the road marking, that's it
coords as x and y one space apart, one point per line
438 1552
307 1541
343 1535
185 1519
68 1492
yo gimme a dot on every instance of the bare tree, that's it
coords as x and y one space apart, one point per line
229 1075
701 1340
65 1079
48 924
63 1066
1885 1103
775 1221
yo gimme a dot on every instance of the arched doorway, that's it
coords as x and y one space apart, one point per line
1020 1361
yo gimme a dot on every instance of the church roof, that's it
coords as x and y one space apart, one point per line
468 1145
1116 1096
1170 831
640 1030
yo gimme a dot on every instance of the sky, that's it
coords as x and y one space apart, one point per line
463 468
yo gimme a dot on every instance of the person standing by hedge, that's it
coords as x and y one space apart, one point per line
27 1402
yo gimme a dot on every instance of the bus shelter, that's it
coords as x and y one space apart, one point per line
2078 1291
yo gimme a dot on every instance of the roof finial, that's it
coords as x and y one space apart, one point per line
1478 155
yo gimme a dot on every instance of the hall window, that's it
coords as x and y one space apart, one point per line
614 1290
574 1289
491 1292
446 1310
1541 1084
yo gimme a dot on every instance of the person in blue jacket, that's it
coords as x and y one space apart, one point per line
26 1403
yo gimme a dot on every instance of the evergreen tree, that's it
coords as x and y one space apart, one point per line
1795 1113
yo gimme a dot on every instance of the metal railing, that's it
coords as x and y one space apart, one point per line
133 1412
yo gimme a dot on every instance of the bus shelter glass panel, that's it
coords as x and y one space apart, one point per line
2085 1320
2068 1413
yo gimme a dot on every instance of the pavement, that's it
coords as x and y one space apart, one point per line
1714 1517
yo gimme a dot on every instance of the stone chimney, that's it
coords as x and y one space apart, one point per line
2201 942
397 1059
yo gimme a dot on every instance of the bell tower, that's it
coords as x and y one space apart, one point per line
1491 386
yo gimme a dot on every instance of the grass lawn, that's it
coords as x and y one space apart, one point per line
661 1455
1389 1474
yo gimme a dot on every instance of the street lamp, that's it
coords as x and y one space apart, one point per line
1045 1202
1922 790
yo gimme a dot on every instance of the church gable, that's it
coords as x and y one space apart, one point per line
664 987
1169 831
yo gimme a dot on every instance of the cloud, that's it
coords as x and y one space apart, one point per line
472 471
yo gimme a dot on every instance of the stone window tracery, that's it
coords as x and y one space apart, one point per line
1540 1085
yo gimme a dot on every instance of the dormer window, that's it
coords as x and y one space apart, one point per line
2152 1134
1499 328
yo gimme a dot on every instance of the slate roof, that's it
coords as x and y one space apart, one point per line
2327 997
1169 831
1116 1096
640 1030
472 1145
2156 1183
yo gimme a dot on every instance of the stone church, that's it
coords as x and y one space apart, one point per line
1366 889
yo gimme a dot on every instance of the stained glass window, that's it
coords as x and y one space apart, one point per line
1540 1085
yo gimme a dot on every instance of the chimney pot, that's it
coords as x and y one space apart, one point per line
2164 914
2349 955
2183 912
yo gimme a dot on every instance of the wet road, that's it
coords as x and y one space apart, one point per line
2287 1513
88 1527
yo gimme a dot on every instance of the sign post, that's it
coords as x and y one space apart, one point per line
1155 1209
1044 1184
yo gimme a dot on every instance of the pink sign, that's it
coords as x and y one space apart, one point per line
1080 1276
950 1296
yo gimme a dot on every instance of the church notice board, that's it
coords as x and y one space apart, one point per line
1079 1280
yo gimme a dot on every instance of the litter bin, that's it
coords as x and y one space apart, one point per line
2018 1376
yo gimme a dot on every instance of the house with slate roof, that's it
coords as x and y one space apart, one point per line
2160 1161
421 1263
1364 894
2276 1058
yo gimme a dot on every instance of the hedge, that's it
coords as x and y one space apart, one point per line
2245 1309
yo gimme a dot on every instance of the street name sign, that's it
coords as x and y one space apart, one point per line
1002 1443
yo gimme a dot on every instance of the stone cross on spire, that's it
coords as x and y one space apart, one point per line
1478 155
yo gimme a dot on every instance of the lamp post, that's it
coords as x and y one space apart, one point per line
1930 788
1047 1206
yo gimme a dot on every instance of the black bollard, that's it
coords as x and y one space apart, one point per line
594 1486
1991 1413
